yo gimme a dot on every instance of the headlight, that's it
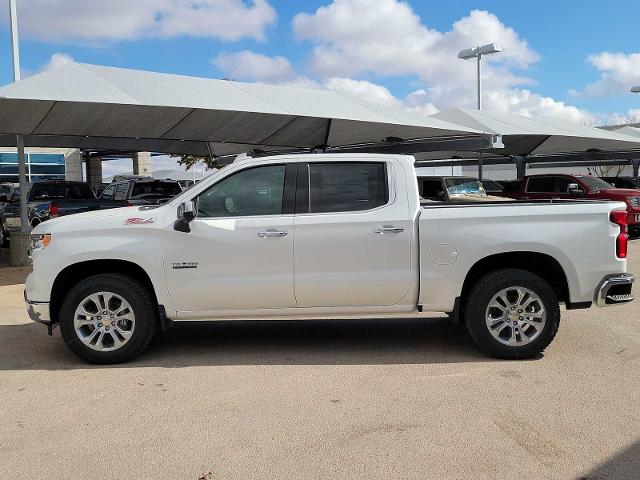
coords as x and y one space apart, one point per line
40 241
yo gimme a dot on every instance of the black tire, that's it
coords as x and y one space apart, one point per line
481 295
142 303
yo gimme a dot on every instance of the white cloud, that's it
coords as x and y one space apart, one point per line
387 38
363 90
111 20
618 73
248 65
57 60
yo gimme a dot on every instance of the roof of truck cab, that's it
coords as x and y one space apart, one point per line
333 157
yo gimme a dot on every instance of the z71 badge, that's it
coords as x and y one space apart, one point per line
181 265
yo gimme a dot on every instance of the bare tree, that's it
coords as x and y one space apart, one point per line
604 121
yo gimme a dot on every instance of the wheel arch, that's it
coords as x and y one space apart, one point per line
541 264
75 273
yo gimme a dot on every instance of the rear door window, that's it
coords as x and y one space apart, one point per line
347 187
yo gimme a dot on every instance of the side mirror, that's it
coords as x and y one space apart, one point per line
186 213
574 188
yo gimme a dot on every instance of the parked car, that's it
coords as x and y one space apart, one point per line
142 191
623 182
329 235
453 189
561 186
50 199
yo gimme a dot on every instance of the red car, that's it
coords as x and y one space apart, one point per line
578 187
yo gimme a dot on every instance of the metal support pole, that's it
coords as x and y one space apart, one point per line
480 166
521 167
479 95
22 178
22 167
636 167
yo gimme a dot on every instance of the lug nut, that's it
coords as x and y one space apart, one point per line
113 324
106 328
521 318
100 325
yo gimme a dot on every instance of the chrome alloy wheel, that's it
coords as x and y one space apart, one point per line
104 321
515 316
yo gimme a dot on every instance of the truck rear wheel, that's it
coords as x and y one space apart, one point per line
512 314
108 318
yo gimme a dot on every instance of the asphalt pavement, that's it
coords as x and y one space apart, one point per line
360 398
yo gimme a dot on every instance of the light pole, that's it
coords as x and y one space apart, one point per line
22 168
477 53
636 166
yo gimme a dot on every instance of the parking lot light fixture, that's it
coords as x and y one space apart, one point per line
477 53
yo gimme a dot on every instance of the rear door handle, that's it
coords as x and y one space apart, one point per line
272 233
388 229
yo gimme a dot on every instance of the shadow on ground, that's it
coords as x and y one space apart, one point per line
289 342
622 466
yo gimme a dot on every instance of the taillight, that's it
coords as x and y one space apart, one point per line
53 210
619 217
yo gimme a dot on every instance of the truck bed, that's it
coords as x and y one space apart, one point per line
451 244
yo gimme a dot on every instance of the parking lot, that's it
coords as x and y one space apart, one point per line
362 398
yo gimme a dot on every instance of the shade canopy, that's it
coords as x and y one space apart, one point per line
524 136
90 106
630 131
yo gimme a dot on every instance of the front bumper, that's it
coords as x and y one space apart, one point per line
615 290
38 311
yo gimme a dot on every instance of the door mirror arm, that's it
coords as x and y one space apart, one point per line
186 213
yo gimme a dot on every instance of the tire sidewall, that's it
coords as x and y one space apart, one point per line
134 293
482 294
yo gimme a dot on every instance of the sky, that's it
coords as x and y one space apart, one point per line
568 60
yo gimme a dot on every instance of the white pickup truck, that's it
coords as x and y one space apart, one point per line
324 235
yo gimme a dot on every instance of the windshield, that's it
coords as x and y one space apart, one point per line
464 186
594 183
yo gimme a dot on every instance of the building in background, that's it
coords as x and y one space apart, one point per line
42 163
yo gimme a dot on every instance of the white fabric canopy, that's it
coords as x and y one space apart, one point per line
528 136
89 106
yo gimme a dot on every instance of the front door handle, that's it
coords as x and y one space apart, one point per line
272 233
388 229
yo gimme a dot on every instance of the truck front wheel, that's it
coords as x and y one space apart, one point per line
512 314
108 318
